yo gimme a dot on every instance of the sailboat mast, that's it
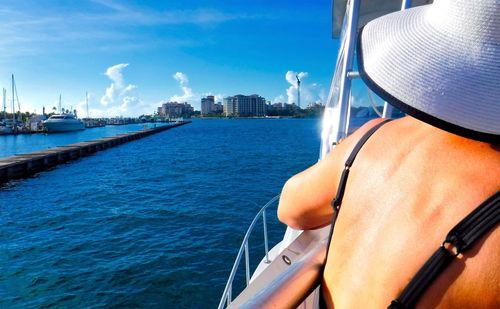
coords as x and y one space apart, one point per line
17 98
13 102
60 112
4 95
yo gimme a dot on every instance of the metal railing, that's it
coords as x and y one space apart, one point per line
227 295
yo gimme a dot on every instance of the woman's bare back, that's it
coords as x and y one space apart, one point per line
409 185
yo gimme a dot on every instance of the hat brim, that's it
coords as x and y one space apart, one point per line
426 74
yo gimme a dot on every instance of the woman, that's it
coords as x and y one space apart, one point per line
415 178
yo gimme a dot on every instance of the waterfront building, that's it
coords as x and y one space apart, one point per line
218 108
245 106
277 106
274 109
207 105
175 109
284 109
290 107
314 105
229 106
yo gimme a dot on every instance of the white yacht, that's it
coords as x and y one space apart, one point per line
63 123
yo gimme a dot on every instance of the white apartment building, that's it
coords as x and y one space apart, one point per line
245 106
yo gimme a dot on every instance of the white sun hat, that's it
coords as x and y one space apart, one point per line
439 63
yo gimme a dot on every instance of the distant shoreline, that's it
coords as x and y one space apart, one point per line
265 117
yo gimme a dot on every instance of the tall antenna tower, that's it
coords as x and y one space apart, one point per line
298 88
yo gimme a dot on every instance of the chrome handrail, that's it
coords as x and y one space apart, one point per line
227 294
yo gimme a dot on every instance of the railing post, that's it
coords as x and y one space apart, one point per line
244 249
247 264
347 65
266 245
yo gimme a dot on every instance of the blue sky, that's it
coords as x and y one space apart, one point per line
131 55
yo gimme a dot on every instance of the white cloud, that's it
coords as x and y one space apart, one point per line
130 87
181 78
115 73
119 99
117 91
187 93
128 106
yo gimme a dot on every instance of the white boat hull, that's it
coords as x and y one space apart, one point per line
63 126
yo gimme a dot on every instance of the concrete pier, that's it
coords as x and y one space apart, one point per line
24 165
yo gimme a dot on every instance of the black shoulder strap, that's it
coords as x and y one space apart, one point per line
459 239
337 201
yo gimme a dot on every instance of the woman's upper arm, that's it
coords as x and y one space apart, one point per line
304 202
306 197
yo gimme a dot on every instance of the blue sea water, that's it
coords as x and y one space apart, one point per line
154 223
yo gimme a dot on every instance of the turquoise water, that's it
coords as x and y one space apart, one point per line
154 223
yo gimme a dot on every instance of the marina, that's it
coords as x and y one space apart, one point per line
24 165
102 205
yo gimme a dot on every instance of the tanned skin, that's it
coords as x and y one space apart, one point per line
409 185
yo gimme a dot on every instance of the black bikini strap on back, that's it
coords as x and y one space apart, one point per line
337 201
485 217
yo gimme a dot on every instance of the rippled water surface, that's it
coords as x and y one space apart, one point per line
152 223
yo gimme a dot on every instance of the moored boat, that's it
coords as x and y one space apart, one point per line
63 123
6 126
